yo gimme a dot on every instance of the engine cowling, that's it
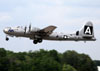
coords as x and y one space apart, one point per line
34 30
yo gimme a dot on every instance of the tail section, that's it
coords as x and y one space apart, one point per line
87 31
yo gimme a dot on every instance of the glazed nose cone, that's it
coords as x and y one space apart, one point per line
5 30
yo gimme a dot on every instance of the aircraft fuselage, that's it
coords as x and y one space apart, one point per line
36 34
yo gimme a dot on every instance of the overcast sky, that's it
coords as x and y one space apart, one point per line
68 15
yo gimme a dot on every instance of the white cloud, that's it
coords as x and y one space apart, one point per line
4 17
45 14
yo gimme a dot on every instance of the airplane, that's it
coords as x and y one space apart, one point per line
38 35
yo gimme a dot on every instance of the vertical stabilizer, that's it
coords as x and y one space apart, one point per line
87 30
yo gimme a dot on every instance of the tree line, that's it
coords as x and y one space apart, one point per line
44 60
97 62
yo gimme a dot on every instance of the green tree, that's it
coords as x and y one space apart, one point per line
44 60
4 62
97 62
64 67
68 68
85 63
2 52
70 57
81 62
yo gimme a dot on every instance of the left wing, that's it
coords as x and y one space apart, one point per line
48 30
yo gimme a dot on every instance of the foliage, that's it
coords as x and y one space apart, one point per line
68 68
44 60
97 62
81 62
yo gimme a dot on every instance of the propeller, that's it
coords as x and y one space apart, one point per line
25 29
30 27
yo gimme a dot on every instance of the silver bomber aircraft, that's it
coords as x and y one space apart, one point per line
38 35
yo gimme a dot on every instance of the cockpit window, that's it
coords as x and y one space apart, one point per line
9 27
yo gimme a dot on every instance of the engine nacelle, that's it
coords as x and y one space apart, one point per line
34 29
